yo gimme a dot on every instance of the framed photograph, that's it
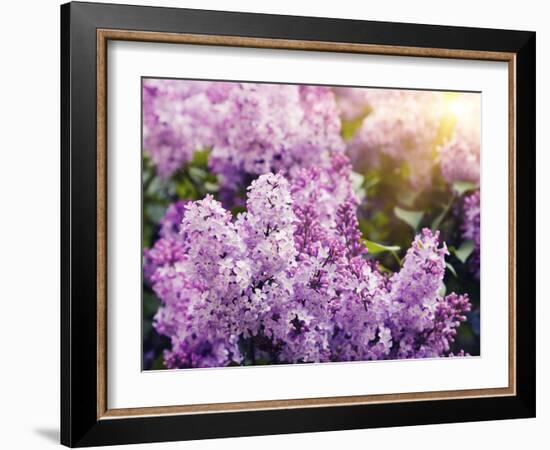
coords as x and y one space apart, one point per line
276 224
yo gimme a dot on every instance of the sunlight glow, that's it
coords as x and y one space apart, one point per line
457 107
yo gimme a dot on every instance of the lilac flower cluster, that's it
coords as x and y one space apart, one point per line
459 159
250 128
401 125
168 249
291 273
471 212
424 322
170 222
459 156
177 119
278 128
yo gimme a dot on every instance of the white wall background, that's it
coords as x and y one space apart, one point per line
29 224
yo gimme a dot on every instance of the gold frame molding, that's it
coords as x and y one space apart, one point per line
103 36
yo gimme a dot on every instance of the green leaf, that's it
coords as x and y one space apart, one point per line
147 232
197 174
451 268
200 159
262 362
442 290
407 197
412 218
372 178
460 187
357 181
376 227
147 326
211 187
464 251
185 189
237 210
155 212
158 364
150 305
350 127
384 269
404 170
375 247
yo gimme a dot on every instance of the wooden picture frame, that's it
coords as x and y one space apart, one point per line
86 418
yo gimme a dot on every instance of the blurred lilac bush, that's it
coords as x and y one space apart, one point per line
402 125
250 128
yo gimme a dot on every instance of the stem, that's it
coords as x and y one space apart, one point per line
439 219
397 258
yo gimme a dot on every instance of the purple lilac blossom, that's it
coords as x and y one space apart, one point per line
352 102
198 292
471 229
277 128
423 322
168 249
356 102
165 252
177 120
250 128
292 271
171 221
459 159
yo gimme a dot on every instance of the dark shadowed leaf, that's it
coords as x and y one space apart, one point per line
155 211
237 210
474 321
464 251
412 218
407 197
150 304
158 364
